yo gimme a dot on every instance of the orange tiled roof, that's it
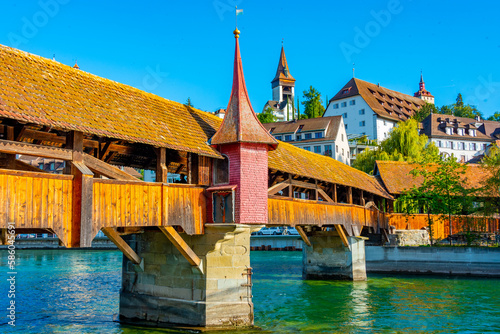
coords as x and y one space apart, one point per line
290 159
396 176
45 92
384 102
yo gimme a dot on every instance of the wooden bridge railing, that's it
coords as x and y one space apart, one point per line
36 201
293 212
441 228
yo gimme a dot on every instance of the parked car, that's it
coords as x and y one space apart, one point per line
290 231
270 231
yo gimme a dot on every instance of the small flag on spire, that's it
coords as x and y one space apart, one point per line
239 11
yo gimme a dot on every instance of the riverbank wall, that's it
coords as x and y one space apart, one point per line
452 261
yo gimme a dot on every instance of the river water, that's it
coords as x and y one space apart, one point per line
77 291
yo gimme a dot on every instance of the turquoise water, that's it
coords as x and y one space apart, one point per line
76 291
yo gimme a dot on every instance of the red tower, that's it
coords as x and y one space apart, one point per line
240 181
422 93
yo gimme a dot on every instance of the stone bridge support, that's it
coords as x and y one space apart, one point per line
329 259
172 292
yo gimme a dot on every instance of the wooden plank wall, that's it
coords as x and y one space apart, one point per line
125 204
441 226
185 206
301 212
37 201
134 204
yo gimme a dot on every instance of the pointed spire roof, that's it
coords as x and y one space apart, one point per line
421 88
283 72
241 125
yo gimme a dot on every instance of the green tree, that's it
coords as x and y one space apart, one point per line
495 117
491 184
444 192
425 111
460 109
267 116
403 144
188 102
313 105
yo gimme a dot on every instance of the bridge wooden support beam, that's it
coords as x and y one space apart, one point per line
122 245
171 291
303 235
182 246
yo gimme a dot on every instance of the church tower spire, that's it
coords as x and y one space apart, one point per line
422 93
283 85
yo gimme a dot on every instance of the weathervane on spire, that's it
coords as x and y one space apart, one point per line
238 12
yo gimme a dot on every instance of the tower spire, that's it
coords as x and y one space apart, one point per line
240 124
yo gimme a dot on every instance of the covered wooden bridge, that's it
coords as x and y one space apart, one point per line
238 178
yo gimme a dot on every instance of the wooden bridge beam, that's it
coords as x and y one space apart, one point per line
12 147
303 235
342 236
181 246
161 165
123 246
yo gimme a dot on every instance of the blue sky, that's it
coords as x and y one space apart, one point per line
181 49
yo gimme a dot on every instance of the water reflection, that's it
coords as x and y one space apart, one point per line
359 305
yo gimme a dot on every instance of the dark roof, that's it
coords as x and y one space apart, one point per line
40 91
276 105
331 124
240 124
384 102
435 125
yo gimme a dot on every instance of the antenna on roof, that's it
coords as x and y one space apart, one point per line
54 57
353 68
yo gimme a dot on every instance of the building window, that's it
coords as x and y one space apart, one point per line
352 102
272 129
317 149
344 115
342 152
299 137
328 150
362 111
343 104
336 106
450 144
346 126
308 136
342 137
318 135
278 137
221 171
473 146
337 148
485 146
439 143
288 138
462 146
362 123
307 148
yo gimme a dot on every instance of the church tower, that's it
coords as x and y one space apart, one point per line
283 83
422 93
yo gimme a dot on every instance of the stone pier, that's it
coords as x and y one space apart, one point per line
329 259
171 292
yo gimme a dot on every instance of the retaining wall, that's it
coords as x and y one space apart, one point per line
455 261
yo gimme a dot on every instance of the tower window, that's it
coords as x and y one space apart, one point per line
221 171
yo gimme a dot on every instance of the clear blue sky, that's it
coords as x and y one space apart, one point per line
190 45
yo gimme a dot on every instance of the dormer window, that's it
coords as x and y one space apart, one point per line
300 128
449 131
472 132
272 129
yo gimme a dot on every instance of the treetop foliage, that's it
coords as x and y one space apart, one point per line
313 105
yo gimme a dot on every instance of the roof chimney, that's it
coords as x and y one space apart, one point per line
478 118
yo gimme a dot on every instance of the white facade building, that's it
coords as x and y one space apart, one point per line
322 135
370 109
464 138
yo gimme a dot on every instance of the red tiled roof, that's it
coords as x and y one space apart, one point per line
384 102
240 123
397 178
42 91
